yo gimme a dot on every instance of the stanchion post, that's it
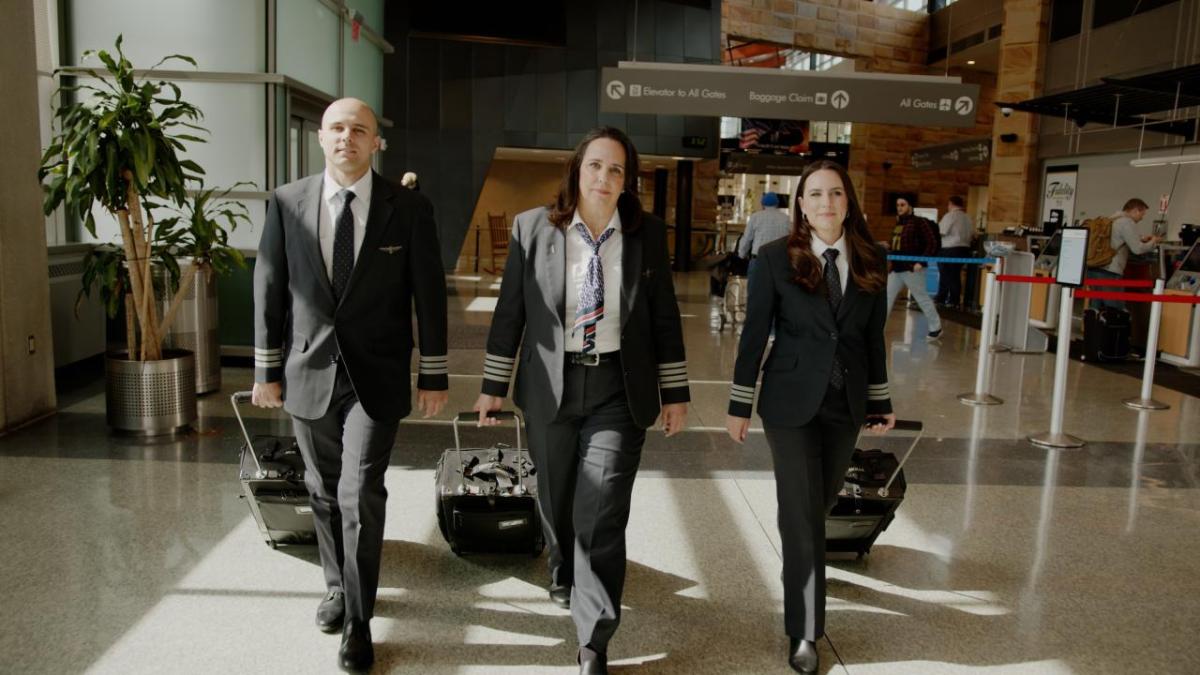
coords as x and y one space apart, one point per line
1145 402
996 347
983 368
1055 438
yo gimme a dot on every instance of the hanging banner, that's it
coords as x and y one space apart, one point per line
1058 195
957 155
725 91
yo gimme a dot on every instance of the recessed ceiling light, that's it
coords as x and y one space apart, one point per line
971 62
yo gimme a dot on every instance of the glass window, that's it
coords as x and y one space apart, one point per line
1112 11
912 5
222 35
731 127
1066 18
308 43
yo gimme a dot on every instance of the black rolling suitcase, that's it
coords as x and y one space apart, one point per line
487 497
873 490
272 474
1106 334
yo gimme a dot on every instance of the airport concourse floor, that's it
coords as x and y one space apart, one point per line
131 557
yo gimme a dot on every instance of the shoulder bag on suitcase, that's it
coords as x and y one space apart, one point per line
487 497
873 489
271 471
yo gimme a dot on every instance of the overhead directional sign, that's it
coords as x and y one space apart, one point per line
723 91
957 155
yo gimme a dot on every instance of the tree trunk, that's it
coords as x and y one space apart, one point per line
151 342
185 284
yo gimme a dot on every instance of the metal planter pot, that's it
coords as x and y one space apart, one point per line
195 328
150 398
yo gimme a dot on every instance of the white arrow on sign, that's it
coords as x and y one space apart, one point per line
616 89
964 105
840 99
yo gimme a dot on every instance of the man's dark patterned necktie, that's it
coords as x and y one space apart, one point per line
343 246
833 288
591 290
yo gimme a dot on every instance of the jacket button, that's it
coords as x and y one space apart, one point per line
333 358
833 334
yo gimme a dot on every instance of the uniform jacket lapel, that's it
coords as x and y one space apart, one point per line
309 213
631 272
848 299
554 244
377 220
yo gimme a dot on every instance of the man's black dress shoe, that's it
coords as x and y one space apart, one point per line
331 612
356 653
802 656
561 596
592 662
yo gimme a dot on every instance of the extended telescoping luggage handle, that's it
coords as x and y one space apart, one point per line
241 397
917 429
470 416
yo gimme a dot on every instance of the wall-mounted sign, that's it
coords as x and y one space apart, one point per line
1058 195
957 155
717 91
697 142
745 162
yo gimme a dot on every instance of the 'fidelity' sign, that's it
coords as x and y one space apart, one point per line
680 89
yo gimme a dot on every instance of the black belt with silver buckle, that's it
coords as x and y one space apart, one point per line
591 358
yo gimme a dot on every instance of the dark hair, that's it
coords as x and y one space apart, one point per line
1135 203
958 201
867 264
562 209
912 200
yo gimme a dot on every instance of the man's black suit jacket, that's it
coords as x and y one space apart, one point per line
371 329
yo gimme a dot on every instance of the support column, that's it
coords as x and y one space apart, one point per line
26 345
683 216
660 192
1015 179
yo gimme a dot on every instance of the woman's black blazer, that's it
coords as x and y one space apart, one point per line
796 373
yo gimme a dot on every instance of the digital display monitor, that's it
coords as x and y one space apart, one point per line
1072 256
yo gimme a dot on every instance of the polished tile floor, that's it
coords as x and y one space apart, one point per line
138 557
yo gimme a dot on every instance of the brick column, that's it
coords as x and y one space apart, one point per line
1015 181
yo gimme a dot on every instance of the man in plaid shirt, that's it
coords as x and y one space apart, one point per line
913 235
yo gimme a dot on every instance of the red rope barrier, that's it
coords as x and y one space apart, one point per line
1139 297
1017 278
1121 283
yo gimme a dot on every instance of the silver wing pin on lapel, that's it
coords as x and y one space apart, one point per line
390 249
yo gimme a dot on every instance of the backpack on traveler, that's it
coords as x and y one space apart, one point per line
1100 251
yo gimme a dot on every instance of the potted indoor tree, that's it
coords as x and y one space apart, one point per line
198 238
116 146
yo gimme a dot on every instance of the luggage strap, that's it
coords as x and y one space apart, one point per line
504 475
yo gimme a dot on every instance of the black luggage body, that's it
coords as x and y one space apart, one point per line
487 497
873 490
271 471
1106 334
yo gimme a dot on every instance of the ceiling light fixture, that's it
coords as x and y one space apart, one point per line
1142 162
971 62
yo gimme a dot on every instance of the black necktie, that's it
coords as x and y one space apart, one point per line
833 289
343 246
